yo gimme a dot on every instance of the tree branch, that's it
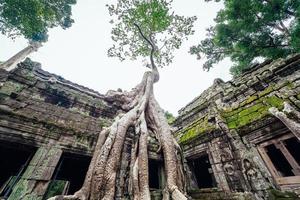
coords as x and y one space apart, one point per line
150 42
285 29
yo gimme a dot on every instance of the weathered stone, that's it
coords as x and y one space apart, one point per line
229 122
243 118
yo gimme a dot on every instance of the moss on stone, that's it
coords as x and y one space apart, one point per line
249 100
246 115
21 188
289 84
10 87
281 195
56 187
266 91
197 129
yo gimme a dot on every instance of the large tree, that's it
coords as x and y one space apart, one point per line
32 19
141 29
248 31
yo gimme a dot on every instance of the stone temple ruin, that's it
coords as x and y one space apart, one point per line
234 147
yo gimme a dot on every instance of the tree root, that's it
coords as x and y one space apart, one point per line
144 114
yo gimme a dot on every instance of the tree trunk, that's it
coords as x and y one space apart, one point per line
143 112
11 63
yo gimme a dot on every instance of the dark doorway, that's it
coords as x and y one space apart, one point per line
155 174
72 168
279 161
293 146
201 169
13 161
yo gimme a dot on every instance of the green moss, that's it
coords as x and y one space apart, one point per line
289 84
280 195
199 128
268 90
246 115
30 76
249 100
20 189
10 87
274 101
56 187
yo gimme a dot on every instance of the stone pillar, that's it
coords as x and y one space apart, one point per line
216 164
36 178
225 165
254 176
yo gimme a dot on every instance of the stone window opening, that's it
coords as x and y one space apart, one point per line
72 168
281 156
202 172
14 159
156 175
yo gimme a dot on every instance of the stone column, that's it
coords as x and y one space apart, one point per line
217 165
254 176
36 178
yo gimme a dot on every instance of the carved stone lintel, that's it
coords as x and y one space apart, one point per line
291 123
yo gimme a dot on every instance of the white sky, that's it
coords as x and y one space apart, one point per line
79 55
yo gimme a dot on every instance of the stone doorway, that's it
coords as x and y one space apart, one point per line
72 168
156 175
14 159
202 172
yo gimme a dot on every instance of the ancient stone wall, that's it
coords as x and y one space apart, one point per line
41 108
231 120
228 128
54 115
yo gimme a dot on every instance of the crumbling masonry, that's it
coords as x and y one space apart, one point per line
240 138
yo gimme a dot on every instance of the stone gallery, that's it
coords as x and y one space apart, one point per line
239 139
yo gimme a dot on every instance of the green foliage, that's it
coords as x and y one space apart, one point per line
251 30
158 23
33 18
169 116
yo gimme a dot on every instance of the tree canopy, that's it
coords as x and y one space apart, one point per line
251 30
33 18
136 23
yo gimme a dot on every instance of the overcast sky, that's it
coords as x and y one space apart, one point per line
79 55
